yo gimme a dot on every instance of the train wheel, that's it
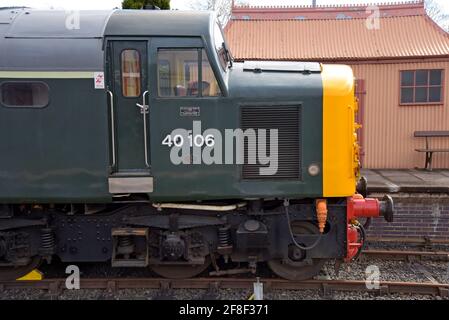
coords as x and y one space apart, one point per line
13 273
297 267
180 271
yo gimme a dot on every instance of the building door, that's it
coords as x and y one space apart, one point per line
360 93
128 91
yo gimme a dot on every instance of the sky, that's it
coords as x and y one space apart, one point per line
176 4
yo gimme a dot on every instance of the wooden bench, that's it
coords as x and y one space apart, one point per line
428 150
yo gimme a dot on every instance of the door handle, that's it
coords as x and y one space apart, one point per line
143 108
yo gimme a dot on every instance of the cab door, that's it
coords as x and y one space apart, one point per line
128 90
185 95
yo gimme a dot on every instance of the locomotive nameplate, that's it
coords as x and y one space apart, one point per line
189 111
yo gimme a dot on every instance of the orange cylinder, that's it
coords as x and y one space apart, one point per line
321 212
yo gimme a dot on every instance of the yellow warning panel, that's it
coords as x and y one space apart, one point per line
339 153
34 275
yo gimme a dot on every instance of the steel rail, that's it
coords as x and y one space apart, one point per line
405 254
414 240
56 286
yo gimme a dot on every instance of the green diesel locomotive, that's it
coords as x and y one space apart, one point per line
133 137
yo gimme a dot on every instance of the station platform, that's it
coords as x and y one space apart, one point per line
421 202
407 181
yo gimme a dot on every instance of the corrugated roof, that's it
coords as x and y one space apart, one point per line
334 11
346 39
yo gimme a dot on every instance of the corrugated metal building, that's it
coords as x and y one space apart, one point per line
401 62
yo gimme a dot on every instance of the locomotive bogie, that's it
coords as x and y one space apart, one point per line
142 236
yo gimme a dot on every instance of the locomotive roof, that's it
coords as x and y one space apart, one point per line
50 39
159 22
28 23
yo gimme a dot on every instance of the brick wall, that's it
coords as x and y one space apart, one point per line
415 216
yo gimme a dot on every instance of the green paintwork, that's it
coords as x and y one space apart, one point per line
58 153
62 153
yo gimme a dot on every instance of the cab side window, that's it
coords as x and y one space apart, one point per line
179 74
131 73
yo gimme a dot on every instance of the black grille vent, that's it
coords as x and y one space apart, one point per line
286 119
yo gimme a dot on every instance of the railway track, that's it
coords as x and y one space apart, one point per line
423 241
405 255
56 286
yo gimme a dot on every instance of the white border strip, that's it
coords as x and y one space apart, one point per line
47 74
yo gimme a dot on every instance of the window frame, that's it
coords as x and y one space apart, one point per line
200 58
27 106
158 78
204 50
121 74
428 86
221 52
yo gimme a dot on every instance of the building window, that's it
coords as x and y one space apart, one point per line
130 73
25 94
179 74
422 87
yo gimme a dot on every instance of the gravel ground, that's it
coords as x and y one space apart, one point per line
184 294
389 270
